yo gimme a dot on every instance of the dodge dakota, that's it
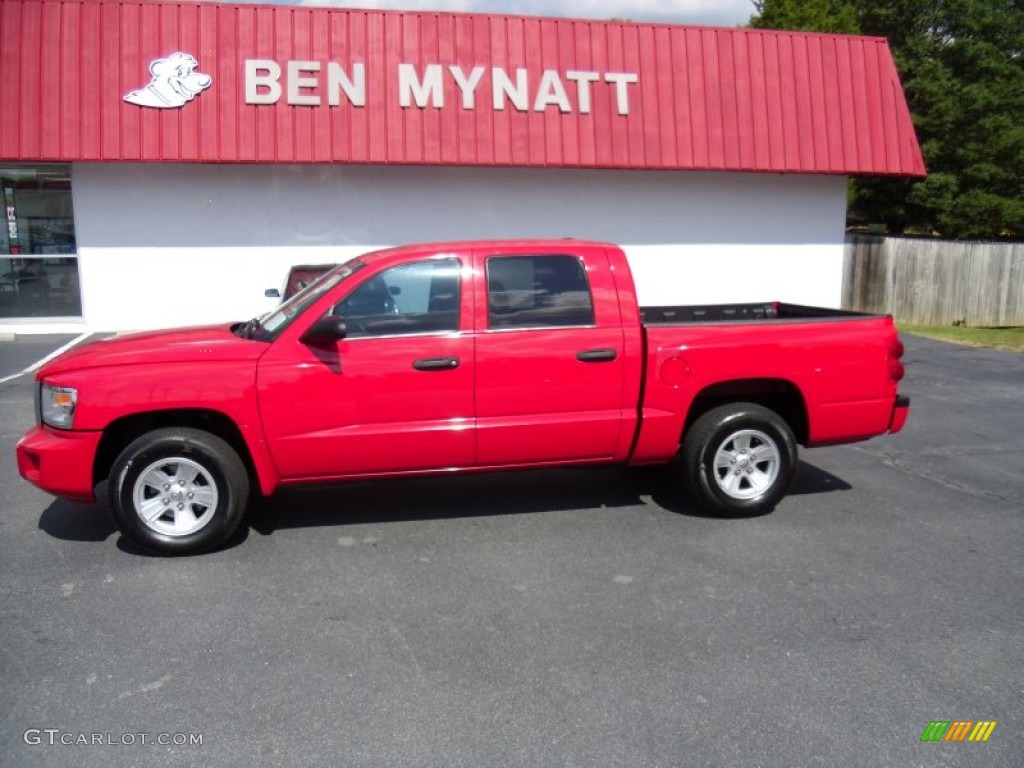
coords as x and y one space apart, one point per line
455 356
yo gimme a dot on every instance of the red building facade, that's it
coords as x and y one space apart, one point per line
323 85
117 112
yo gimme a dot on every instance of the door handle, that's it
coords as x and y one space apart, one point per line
596 355
436 364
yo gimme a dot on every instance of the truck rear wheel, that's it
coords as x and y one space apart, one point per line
178 491
739 459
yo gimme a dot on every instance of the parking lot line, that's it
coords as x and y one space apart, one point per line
40 363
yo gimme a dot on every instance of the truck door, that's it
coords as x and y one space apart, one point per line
394 395
549 366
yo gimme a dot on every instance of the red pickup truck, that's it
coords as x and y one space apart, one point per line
455 356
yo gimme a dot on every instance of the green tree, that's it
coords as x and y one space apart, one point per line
962 67
836 16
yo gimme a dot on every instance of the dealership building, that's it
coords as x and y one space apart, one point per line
165 163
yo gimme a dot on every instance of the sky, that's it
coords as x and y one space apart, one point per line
726 13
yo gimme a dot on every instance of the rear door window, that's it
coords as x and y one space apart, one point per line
543 291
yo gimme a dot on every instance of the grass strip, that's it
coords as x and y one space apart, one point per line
995 338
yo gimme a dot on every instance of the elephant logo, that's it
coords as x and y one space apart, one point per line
175 83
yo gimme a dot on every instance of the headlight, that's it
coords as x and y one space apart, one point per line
57 405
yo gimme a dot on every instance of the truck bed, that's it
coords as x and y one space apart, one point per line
729 313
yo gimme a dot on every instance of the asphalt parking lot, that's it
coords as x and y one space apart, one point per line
16 356
569 618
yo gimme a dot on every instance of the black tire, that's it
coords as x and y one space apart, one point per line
738 460
206 487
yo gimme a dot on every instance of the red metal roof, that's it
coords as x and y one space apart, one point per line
703 98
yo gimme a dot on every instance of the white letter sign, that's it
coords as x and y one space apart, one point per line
338 82
296 82
410 88
621 80
262 73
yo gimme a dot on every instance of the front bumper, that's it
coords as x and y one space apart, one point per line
900 412
59 462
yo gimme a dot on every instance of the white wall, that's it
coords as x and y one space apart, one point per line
163 245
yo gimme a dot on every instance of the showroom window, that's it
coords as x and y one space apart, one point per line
38 262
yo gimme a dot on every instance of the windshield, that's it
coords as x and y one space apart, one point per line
270 326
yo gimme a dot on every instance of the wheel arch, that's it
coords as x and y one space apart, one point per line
778 395
119 433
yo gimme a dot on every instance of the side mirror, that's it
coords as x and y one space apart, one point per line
326 330
272 293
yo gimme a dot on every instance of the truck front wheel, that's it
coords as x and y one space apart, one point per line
739 459
178 490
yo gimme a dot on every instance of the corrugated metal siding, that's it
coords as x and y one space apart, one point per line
707 98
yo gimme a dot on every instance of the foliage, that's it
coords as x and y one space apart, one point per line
805 15
962 67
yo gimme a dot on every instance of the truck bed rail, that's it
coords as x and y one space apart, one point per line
719 313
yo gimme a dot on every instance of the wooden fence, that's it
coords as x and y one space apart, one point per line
935 282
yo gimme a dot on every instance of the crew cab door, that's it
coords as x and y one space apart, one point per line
550 369
395 394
